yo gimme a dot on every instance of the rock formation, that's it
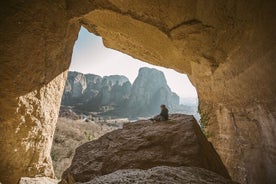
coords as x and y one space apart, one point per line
162 175
88 92
226 47
143 145
149 90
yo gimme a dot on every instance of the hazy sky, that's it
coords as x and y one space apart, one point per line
91 56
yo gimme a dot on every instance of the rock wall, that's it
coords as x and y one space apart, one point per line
90 92
226 47
148 92
36 46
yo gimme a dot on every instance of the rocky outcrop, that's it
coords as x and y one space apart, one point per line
75 86
228 54
162 175
88 92
143 145
149 90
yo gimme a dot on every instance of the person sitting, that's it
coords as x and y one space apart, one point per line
164 114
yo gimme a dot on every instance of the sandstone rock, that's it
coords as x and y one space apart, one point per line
143 145
162 175
228 54
37 180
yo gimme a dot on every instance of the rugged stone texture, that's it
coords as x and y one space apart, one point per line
143 145
75 86
227 48
36 45
37 180
162 175
27 148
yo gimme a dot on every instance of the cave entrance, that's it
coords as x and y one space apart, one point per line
106 88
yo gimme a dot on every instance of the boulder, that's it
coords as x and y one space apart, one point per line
162 175
144 145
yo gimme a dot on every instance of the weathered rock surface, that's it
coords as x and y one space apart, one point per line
37 180
143 145
226 47
35 55
162 175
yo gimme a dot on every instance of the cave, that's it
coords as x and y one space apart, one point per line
102 94
227 48
92 62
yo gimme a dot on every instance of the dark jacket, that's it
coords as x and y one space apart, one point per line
165 113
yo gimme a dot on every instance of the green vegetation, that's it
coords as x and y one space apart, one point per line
204 120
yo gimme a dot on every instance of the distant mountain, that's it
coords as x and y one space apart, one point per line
149 90
115 96
89 92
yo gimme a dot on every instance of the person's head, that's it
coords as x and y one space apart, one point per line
162 106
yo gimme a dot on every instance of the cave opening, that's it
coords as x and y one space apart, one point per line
228 54
103 89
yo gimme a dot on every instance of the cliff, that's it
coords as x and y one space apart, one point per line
115 95
90 92
149 90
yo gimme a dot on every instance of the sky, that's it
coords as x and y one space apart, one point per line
91 56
